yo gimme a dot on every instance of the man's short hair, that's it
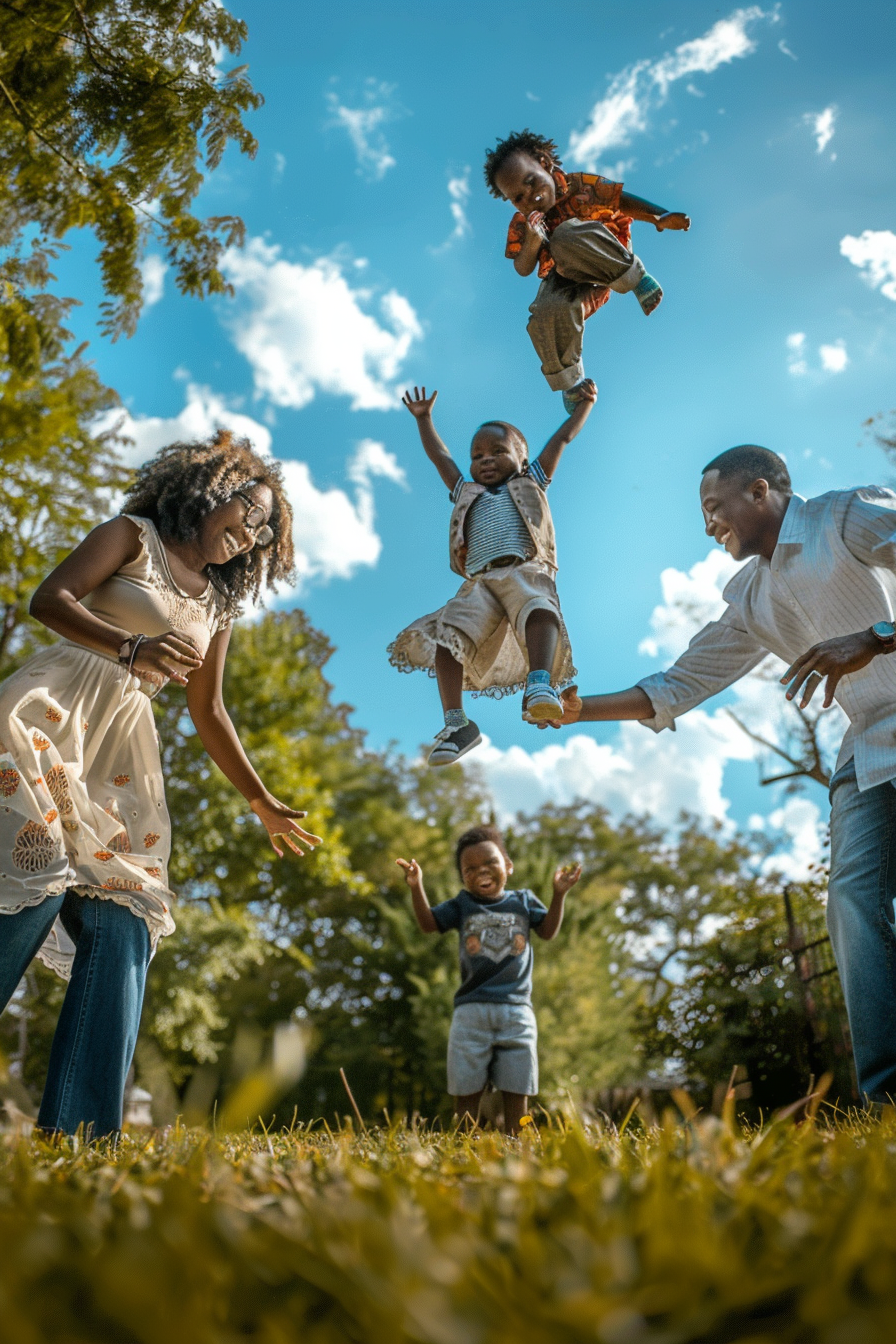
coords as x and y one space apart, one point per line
748 462
480 835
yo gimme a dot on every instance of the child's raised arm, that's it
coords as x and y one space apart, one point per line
657 215
413 875
420 407
552 452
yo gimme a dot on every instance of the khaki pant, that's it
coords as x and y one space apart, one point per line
586 255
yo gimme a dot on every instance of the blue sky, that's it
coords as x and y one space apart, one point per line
376 260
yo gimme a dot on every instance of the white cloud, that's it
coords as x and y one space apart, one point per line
801 830
635 92
690 600
204 412
459 193
822 124
645 773
305 329
364 127
152 269
833 358
334 532
785 50
874 252
279 165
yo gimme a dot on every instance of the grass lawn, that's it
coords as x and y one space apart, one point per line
682 1232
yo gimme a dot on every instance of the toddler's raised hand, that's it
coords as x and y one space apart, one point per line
413 873
673 219
419 404
566 877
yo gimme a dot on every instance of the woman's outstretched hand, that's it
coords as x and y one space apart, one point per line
281 823
172 655
419 404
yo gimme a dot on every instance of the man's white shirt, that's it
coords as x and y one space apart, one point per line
833 572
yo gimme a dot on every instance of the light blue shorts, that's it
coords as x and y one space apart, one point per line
496 1043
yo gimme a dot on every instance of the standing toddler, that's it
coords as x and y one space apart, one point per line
494 1035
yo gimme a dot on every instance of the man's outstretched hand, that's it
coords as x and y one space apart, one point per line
572 708
831 659
673 219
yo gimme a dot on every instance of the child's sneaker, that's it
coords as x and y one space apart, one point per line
573 395
541 703
649 293
452 743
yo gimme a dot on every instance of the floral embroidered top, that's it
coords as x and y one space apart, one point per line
579 196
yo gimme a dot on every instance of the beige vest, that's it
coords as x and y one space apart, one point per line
535 511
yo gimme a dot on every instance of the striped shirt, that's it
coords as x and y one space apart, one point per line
833 572
495 527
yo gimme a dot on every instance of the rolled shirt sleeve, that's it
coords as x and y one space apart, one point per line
719 654
869 527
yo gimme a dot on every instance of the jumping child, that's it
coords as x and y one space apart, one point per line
503 630
576 228
494 1034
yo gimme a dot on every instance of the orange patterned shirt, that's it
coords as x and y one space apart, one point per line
579 196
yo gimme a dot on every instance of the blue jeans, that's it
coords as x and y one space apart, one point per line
861 923
97 1029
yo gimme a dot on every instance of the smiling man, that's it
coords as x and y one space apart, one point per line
818 590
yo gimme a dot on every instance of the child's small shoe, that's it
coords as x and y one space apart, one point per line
573 395
541 703
452 743
649 294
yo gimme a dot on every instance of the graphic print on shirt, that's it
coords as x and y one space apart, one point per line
495 935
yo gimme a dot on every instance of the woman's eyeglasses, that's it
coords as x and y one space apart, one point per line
254 519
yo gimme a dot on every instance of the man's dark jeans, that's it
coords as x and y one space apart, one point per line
861 923
97 1030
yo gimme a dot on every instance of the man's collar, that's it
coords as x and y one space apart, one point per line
793 524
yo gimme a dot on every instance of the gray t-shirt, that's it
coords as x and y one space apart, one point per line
495 951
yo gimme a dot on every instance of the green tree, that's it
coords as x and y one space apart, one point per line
110 110
60 468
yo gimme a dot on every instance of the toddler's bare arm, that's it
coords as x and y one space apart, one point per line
657 215
550 455
420 407
413 875
526 259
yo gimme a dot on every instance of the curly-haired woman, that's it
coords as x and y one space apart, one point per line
146 598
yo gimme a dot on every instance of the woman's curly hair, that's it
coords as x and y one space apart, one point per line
518 142
184 482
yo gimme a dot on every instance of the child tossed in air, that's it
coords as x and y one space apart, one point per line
576 228
493 1035
503 630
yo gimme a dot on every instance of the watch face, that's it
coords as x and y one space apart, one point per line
885 631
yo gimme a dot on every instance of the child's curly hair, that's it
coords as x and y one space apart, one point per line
184 482
518 142
480 835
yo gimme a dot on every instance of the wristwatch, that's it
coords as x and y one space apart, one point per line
885 634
